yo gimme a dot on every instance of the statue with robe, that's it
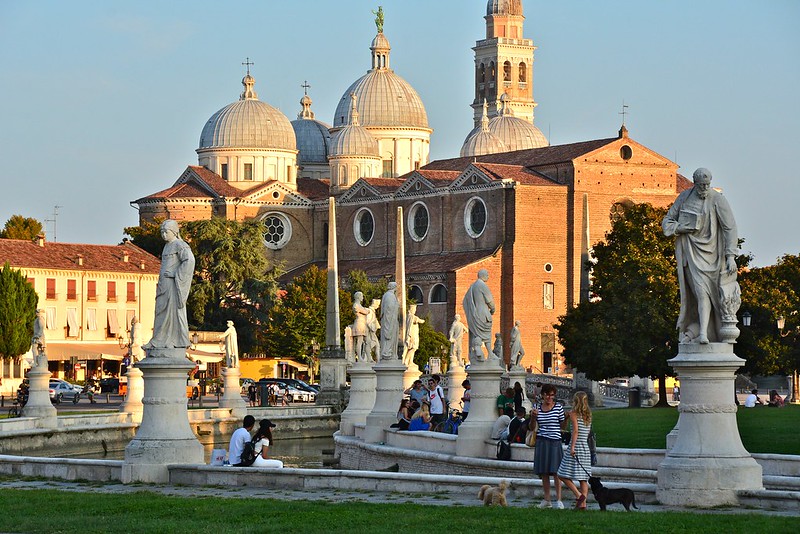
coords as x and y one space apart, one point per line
230 341
390 323
479 307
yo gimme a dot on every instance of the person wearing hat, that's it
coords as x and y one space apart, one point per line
263 440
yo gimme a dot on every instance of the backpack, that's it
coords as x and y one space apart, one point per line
503 450
248 454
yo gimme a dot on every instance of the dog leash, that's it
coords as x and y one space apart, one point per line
581 466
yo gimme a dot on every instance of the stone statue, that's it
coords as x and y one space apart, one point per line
706 241
497 351
517 352
171 328
412 335
38 341
359 329
231 342
390 325
478 307
136 340
373 325
379 19
457 330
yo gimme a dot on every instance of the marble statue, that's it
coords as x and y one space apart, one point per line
412 334
136 340
373 325
379 19
359 328
231 341
478 306
497 351
390 325
457 330
171 328
516 350
38 341
706 241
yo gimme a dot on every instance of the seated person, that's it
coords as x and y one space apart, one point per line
775 400
404 414
263 439
500 427
421 420
504 400
517 428
752 400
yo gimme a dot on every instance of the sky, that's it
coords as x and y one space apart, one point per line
102 102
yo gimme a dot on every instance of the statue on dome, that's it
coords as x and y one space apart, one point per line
379 18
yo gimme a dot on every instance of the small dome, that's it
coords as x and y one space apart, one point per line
248 123
504 7
384 100
380 42
313 136
481 140
353 139
515 133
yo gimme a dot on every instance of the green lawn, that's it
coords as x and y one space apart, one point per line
765 430
71 512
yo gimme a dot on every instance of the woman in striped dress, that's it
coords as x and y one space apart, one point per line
577 465
548 453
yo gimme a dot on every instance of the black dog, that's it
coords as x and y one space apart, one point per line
605 496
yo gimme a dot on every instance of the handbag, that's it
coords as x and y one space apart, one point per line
503 450
530 438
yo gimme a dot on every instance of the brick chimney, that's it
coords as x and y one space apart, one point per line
40 240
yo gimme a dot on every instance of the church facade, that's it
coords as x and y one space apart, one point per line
526 211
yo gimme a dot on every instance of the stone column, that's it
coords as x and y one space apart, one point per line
164 437
518 374
388 394
232 397
362 397
707 465
455 375
39 404
133 399
484 377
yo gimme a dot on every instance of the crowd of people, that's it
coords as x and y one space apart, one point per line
425 405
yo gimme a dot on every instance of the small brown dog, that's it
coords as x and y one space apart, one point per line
493 495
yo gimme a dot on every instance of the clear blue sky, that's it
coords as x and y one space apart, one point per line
103 101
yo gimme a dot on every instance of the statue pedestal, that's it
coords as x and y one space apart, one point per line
518 374
362 397
455 375
707 465
388 394
39 404
411 374
133 399
332 377
164 437
484 378
232 397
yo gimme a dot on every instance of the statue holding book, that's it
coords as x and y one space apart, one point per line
706 241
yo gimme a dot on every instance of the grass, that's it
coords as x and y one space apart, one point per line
763 430
62 511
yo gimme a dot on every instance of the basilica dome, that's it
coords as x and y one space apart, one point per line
481 140
353 139
504 7
248 123
515 133
313 136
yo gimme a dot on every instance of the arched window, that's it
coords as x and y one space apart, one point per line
415 294
482 73
438 294
491 72
507 71
523 72
364 226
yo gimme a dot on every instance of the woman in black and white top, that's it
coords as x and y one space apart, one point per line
263 439
548 453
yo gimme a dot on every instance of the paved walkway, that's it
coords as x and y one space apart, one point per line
328 495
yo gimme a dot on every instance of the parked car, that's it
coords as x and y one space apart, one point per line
61 391
299 384
295 394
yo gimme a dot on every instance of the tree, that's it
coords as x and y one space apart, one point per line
432 344
18 302
628 327
19 227
232 280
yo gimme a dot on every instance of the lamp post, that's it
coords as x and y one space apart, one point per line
124 344
314 349
781 324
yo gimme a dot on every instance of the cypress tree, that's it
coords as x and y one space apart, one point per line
18 302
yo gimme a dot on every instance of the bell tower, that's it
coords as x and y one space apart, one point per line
504 63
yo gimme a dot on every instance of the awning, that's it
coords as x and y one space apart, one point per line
204 357
297 365
64 350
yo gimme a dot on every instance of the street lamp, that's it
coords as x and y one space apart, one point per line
746 319
781 324
314 349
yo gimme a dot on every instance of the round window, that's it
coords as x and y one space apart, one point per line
364 226
277 230
475 217
548 267
625 152
418 221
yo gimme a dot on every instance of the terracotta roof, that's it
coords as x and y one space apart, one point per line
216 182
384 185
314 189
682 183
423 264
439 178
22 253
527 158
518 173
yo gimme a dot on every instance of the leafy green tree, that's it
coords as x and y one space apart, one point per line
19 227
147 236
432 344
18 302
628 327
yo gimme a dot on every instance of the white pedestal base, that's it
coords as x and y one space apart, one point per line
707 465
133 399
518 374
164 437
362 398
232 397
332 377
39 404
455 375
388 394
484 377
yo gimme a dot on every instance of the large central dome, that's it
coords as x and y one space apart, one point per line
248 123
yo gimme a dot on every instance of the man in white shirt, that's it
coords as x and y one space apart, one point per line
238 439
436 395
752 399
